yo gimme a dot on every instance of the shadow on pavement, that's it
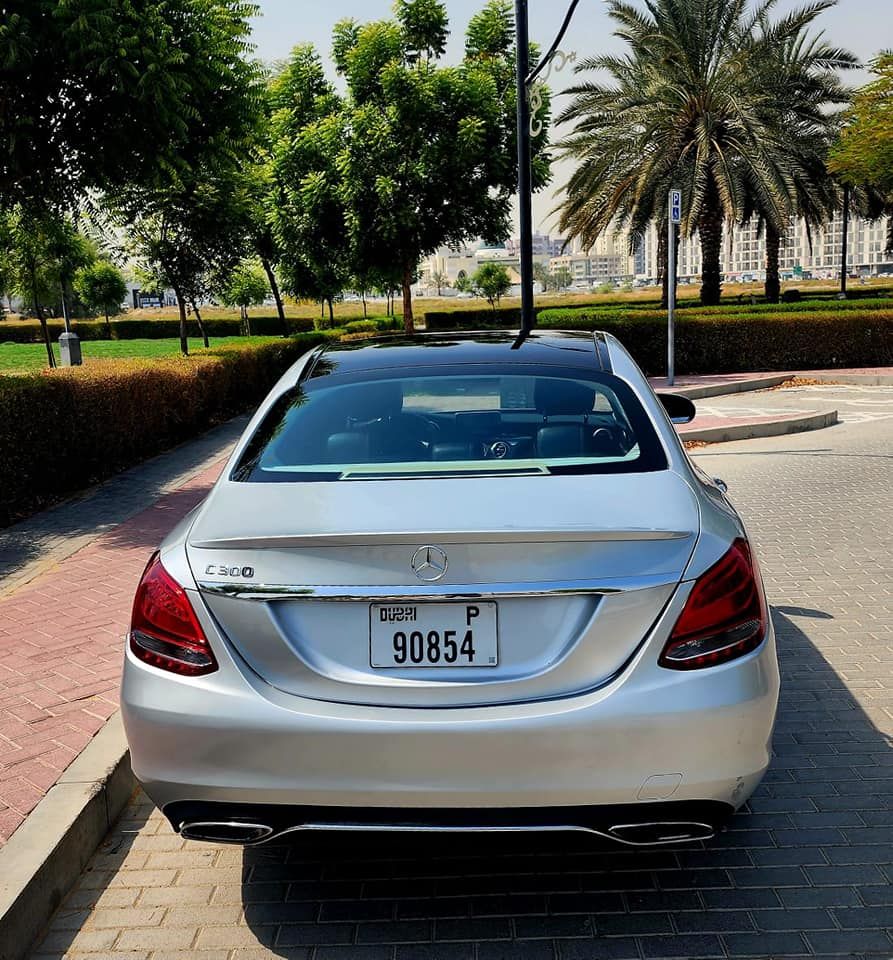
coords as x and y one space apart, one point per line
98 511
804 869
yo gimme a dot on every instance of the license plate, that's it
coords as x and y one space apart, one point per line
433 635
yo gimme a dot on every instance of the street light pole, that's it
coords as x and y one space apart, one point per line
525 185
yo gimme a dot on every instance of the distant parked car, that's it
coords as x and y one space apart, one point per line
457 582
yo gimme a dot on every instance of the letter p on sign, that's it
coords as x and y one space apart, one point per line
675 206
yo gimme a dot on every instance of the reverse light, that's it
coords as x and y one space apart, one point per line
164 630
725 616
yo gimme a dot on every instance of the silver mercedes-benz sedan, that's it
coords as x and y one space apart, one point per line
464 582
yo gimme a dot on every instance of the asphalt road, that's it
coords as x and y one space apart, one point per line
806 870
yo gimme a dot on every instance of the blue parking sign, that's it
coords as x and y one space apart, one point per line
675 206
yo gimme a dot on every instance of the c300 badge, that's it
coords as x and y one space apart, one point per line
245 573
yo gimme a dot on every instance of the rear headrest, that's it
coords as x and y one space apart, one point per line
555 398
382 398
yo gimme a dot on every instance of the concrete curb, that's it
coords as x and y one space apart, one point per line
45 856
766 428
730 388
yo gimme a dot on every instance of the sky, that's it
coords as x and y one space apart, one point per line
862 26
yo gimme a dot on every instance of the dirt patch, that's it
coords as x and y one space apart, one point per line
803 382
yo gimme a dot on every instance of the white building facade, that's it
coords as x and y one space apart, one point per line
804 253
817 253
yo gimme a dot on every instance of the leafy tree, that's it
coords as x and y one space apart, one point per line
541 274
190 227
561 279
261 200
101 287
67 252
102 93
247 287
428 153
187 235
556 280
864 153
440 280
464 283
687 105
492 282
862 158
42 253
308 219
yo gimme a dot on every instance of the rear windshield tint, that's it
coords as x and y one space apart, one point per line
452 421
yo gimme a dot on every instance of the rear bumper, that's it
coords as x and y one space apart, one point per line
651 736
635 825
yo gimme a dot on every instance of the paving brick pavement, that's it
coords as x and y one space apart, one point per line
805 871
64 607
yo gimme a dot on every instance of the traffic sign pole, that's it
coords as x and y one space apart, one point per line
674 217
525 192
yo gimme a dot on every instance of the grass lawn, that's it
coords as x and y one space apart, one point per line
28 357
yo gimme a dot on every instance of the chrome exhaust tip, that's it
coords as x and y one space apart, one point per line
225 831
660 834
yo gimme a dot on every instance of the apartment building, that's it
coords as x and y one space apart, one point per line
804 252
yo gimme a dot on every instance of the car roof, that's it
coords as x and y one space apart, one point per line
552 348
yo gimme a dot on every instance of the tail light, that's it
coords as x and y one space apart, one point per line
725 616
164 630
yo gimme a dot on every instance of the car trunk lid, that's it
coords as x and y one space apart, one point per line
578 568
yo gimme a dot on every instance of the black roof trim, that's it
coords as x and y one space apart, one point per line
604 354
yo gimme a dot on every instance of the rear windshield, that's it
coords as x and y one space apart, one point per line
471 420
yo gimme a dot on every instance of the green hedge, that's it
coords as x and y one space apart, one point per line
28 331
65 429
373 325
806 341
558 315
436 320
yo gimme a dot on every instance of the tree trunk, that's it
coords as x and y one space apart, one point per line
51 357
184 333
365 314
773 253
108 325
331 303
41 316
710 232
66 319
201 326
408 319
274 286
844 266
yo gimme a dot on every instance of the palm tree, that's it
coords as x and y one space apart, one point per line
688 105
802 80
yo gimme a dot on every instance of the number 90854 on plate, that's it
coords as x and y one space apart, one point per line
445 635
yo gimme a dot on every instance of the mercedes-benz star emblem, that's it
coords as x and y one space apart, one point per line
430 564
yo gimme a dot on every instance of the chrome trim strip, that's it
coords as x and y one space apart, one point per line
366 538
444 592
411 828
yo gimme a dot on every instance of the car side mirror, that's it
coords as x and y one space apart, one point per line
679 409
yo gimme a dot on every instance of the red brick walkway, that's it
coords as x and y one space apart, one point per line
61 651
